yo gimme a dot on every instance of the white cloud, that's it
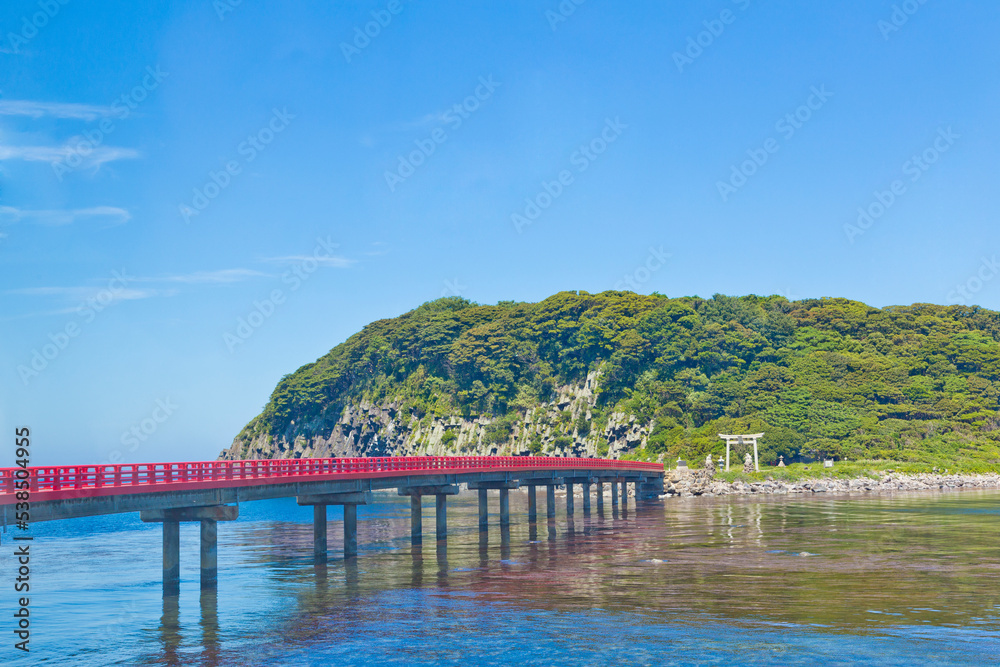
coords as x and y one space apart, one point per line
79 296
426 120
332 260
53 109
379 248
108 214
94 158
83 293
219 276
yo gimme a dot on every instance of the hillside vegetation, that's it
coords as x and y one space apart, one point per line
821 377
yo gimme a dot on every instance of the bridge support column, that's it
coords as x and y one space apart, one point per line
350 531
600 498
171 558
532 507
350 502
569 499
416 521
504 508
614 496
504 486
171 518
319 531
586 498
209 554
550 501
484 511
440 493
441 516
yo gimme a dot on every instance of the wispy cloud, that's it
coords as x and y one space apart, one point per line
95 158
79 295
53 109
332 260
370 139
40 313
52 217
426 120
219 276
82 293
378 248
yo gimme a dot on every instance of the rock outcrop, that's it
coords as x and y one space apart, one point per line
550 428
702 483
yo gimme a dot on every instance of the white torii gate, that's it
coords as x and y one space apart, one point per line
739 440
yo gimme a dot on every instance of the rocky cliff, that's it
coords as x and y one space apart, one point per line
552 428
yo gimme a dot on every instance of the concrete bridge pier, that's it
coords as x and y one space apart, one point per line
484 513
649 488
440 493
600 498
614 496
171 518
171 557
532 506
319 532
550 501
350 501
504 486
209 554
441 516
624 486
586 498
504 508
569 499
416 521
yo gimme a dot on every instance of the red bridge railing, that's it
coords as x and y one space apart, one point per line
83 481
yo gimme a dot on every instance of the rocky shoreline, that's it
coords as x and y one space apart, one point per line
703 483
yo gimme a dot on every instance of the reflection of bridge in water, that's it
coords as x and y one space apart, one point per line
209 492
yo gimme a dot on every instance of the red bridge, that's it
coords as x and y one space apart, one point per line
210 491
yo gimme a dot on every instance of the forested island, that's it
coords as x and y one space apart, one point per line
650 377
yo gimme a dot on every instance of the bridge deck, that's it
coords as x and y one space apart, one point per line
73 491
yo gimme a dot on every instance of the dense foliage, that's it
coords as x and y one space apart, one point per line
820 377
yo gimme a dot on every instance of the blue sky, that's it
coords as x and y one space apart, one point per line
199 197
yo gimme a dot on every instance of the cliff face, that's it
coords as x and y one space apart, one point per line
550 428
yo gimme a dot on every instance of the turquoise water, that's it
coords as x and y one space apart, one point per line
897 580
